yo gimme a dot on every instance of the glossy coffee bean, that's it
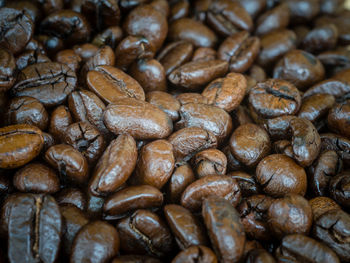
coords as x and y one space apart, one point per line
209 162
247 182
204 54
339 189
200 254
225 229
340 144
316 106
278 175
321 205
60 120
36 178
70 58
320 38
7 69
72 196
95 235
19 144
338 118
165 102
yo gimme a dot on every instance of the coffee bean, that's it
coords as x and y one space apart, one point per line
338 189
199 254
165 102
204 54
316 106
209 162
60 120
72 196
246 182
7 69
338 118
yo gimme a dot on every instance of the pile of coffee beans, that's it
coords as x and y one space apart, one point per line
145 131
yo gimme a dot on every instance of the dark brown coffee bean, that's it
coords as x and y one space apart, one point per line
68 25
321 205
320 38
36 178
95 236
240 50
165 102
72 196
249 144
27 110
217 185
70 163
321 172
225 229
49 82
226 93
209 162
174 55
17 29
145 233
274 98
302 11
316 106
131 198
147 21
259 255
19 144
70 58
85 51
198 254
187 229
192 31
253 211
74 220
274 45
111 84
283 211
115 166
149 73
132 48
207 117
274 19
204 54
7 69
226 17
179 180
278 175
339 189
155 164
87 107
298 247
140 119
247 183
34 229
338 118
332 228
94 206
60 120
300 68
340 144
278 127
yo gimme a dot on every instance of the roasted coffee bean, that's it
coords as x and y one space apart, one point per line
260 255
249 144
303 11
165 102
68 25
193 75
274 19
209 162
97 235
217 185
278 127
340 144
226 17
300 68
316 106
70 58
338 118
283 211
254 212
204 54
321 205
145 233
60 120
147 21
131 198
85 51
72 196
70 163
278 175
247 183
94 206
225 229
36 178
240 50
34 229
74 220
299 247
7 69
115 166
198 254
140 119
192 31
27 110
174 55
185 226
274 98
149 73
226 93
111 84
29 58
191 97
320 38
19 144
339 189
207 117
179 180
332 228
155 165
50 83
179 9
17 29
